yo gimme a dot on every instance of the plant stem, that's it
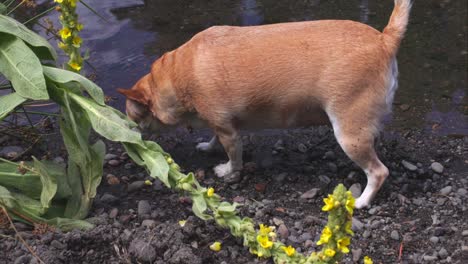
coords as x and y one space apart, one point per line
16 7
37 113
39 15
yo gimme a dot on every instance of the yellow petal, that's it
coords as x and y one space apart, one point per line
368 260
75 66
210 192
329 252
216 246
182 223
289 250
148 182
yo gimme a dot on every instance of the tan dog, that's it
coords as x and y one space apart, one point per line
342 73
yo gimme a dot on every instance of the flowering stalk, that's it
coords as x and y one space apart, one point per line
70 40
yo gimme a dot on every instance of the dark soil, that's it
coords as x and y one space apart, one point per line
418 216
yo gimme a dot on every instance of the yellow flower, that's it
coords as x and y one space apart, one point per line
289 250
326 235
342 244
264 241
65 33
75 66
264 230
329 203
368 260
148 182
62 45
182 223
350 202
79 26
348 227
72 3
210 192
216 246
329 252
58 1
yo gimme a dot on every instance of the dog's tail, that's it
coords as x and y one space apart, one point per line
396 28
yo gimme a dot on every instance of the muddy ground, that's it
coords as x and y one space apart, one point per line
419 216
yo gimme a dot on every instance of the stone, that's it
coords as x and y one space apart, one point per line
143 251
58 245
366 234
144 208
356 254
437 167
374 210
443 253
310 193
302 148
25 259
357 225
394 235
11 152
114 162
110 156
113 213
465 233
148 223
356 190
135 186
446 190
329 155
109 199
324 179
462 192
434 239
278 221
409 166
283 231
429 258
280 177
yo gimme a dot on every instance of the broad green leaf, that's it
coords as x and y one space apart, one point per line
8 103
226 207
65 224
64 76
21 66
41 46
49 184
28 183
199 206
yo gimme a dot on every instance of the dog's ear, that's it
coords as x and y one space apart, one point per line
134 94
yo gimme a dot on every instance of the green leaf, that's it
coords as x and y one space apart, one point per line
21 66
3 9
8 103
40 45
65 224
64 77
199 206
226 207
49 184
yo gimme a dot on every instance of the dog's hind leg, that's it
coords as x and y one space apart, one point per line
356 137
232 143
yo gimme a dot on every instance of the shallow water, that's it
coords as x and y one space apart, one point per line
432 59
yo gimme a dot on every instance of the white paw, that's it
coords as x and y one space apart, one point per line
205 146
223 169
361 203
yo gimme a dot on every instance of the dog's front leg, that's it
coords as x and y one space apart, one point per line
232 143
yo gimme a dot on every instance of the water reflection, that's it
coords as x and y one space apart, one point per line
432 59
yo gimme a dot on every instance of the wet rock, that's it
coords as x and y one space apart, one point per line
356 190
143 251
409 166
135 186
144 208
11 152
114 162
109 199
394 235
310 193
446 190
437 167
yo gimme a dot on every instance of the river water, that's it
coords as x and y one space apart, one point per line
432 59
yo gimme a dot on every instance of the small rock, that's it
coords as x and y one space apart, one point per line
356 190
446 190
356 254
25 259
409 166
234 177
465 233
310 193
302 148
112 180
148 223
143 251
56 244
394 235
366 234
278 221
113 213
135 186
280 177
357 225
429 258
144 208
11 152
462 192
404 107
279 145
110 156
283 231
437 167
329 155
239 199
309 243
114 162
374 210
324 179
109 199
260 187
443 253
